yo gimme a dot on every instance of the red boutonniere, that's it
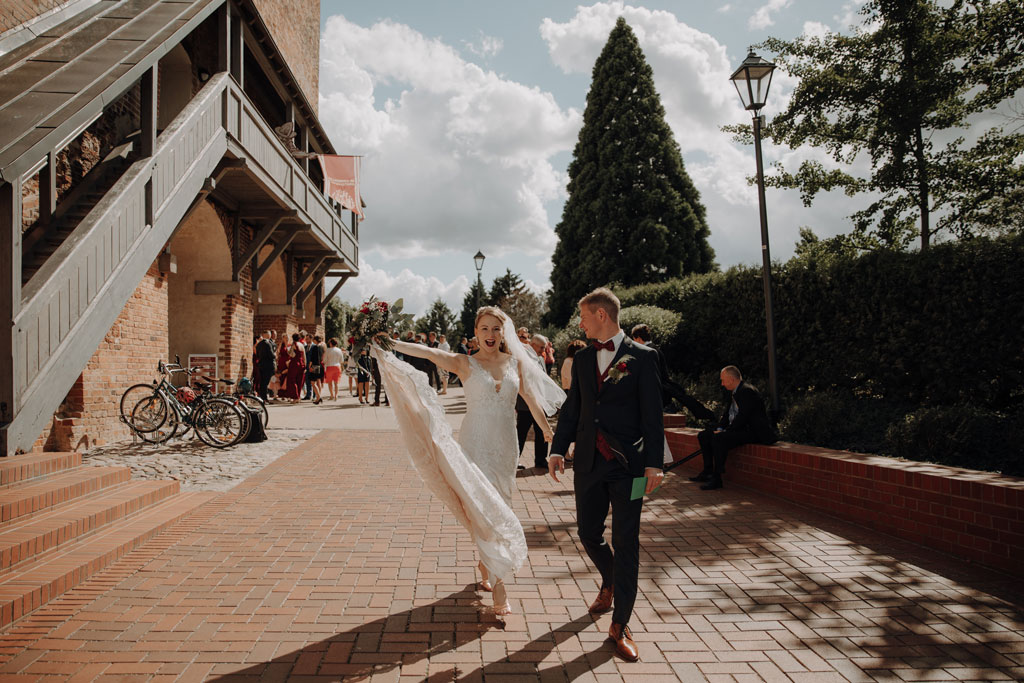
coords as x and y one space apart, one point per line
620 369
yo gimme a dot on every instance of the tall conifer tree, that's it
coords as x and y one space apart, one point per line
633 215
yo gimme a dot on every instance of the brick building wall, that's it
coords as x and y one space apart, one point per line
14 13
127 355
239 312
295 25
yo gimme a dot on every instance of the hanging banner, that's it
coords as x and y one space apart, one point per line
341 180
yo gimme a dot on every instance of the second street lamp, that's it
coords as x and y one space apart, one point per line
478 261
752 81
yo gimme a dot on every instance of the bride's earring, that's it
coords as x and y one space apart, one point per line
501 603
485 584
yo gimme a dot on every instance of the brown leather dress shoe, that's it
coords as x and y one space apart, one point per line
624 645
603 602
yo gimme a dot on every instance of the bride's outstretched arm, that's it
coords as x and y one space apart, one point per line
452 362
535 409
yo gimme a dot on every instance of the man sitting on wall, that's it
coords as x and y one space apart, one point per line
744 421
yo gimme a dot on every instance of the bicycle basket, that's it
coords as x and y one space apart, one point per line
244 385
185 395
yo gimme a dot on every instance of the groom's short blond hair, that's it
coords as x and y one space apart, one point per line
605 299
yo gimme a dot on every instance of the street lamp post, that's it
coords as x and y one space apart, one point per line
478 261
752 80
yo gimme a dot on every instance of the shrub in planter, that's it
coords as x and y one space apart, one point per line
839 419
960 436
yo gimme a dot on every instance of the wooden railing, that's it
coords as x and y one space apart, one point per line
71 302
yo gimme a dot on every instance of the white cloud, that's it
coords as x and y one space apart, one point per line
724 9
417 291
815 29
458 160
486 46
762 18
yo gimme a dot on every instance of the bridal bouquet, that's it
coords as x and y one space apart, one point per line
373 322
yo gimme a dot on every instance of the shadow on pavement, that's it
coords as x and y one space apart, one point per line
407 638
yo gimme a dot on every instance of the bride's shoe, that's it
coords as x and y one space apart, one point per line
485 584
501 603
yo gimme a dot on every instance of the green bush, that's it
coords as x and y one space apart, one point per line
838 419
961 436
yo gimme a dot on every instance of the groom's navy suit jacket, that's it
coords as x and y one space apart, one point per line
629 410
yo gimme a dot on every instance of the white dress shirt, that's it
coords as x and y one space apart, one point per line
604 356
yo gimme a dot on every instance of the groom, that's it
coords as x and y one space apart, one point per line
613 413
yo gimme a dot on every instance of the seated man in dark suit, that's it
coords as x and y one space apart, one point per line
641 334
744 421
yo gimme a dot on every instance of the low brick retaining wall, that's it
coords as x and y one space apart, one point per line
977 516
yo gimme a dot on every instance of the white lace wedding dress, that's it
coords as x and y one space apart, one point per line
473 477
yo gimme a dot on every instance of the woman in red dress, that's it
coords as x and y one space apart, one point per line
296 369
282 368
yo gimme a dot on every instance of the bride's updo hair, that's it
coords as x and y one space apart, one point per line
497 313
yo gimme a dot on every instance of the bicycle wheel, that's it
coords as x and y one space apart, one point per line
149 414
256 404
130 398
167 431
220 423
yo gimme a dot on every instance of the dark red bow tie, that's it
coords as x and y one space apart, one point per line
608 345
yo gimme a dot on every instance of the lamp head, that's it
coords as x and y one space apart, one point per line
479 261
752 81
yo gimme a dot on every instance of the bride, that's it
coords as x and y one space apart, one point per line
474 477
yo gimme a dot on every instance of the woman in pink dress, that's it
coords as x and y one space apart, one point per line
296 369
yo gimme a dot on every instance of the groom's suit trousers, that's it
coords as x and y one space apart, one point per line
609 484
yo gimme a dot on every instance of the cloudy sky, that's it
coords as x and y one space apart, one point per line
466 113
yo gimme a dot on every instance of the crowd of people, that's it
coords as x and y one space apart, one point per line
305 368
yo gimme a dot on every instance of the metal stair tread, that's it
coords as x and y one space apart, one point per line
25 539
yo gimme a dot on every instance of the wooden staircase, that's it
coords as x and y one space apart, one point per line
61 522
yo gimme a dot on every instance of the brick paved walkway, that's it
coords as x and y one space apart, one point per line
335 562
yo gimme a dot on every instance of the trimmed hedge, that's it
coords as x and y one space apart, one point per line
866 344
935 328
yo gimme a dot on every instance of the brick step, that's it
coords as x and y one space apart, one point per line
22 468
28 539
35 583
33 497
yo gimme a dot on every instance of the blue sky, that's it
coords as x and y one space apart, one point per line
467 112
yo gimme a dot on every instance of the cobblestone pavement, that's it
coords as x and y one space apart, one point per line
197 466
335 563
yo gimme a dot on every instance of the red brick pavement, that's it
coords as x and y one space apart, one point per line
334 562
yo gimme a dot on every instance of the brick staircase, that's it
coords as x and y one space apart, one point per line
61 522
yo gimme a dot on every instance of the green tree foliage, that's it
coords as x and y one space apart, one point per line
525 308
475 297
505 286
337 315
438 318
914 73
633 215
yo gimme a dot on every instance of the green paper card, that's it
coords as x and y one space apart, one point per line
639 486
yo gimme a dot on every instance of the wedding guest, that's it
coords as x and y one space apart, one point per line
432 373
334 357
472 347
296 369
265 352
549 357
463 347
363 376
524 417
315 368
442 344
566 371
744 421
282 367
351 369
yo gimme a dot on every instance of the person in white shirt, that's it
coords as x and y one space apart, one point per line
334 357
